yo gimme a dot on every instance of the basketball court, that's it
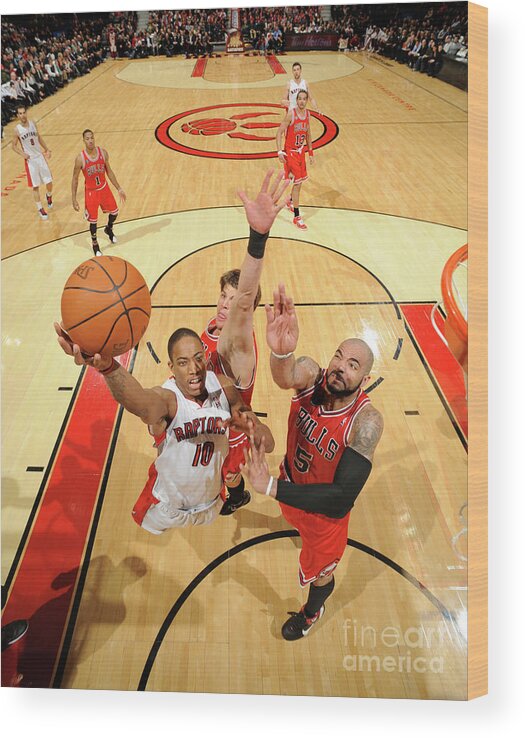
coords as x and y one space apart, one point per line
200 610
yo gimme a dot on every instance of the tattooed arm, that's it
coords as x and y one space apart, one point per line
367 431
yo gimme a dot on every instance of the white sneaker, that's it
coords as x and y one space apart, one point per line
98 253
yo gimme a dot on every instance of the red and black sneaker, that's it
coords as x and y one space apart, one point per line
49 201
42 213
299 625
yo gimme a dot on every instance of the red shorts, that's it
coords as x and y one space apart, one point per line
146 499
235 458
324 542
102 199
295 166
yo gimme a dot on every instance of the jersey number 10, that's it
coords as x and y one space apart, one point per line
203 454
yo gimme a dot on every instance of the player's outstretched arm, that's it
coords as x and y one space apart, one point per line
282 335
150 405
243 418
235 343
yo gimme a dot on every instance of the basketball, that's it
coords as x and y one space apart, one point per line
106 306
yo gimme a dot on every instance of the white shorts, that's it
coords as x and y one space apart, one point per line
160 517
37 171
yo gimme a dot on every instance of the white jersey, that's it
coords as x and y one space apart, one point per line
191 457
294 88
28 136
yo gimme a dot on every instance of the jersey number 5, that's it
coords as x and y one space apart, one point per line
302 460
203 453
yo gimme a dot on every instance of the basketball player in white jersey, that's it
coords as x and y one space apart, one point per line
195 408
29 144
294 86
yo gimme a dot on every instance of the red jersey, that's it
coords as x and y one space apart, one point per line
317 437
210 338
94 170
296 132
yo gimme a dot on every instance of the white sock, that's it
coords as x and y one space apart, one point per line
39 206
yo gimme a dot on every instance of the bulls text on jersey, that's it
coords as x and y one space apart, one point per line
306 426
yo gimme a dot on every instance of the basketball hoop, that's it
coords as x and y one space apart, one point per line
455 330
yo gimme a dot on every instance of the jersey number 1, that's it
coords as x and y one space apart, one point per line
203 453
97 181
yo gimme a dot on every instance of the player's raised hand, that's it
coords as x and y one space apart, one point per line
72 349
282 328
255 466
262 211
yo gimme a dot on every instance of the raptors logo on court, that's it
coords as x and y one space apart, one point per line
219 131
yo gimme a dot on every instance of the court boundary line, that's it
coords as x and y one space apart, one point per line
384 66
6 587
83 568
430 373
273 535
224 207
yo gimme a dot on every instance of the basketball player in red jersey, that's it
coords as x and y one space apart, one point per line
333 431
296 127
93 162
229 339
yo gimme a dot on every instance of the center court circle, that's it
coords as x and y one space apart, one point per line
256 123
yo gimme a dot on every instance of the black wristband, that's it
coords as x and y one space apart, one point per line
257 244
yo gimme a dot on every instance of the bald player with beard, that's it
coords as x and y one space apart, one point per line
333 431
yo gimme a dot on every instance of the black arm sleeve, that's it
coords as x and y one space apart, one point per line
336 499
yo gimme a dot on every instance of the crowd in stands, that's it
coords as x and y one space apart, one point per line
42 53
265 28
171 32
421 43
43 56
